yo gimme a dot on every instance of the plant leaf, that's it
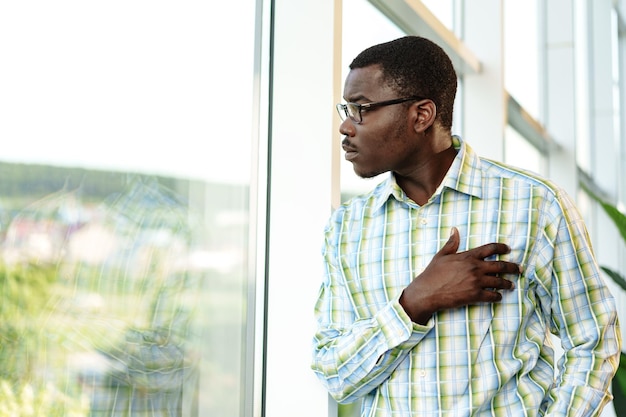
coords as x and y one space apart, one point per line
615 276
617 216
619 386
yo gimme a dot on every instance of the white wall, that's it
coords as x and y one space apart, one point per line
300 199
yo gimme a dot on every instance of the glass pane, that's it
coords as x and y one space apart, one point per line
521 53
359 14
124 232
520 153
443 9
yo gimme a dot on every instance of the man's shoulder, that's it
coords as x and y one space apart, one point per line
495 170
356 203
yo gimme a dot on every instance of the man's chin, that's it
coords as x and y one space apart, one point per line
366 174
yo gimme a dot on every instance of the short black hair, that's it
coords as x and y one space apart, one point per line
415 66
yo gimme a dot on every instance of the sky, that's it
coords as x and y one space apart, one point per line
126 85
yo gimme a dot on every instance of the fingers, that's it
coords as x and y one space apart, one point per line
480 253
491 292
501 267
490 249
452 245
497 283
491 296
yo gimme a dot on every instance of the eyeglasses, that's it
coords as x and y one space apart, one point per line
353 110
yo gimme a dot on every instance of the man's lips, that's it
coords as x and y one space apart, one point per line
351 155
350 152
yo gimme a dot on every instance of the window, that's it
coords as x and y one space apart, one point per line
358 14
520 153
521 54
125 207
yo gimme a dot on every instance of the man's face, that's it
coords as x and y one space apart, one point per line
384 140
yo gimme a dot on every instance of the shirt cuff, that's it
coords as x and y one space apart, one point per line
397 326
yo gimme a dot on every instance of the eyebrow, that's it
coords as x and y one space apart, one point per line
357 98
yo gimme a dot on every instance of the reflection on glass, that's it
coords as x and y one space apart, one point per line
101 292
123 240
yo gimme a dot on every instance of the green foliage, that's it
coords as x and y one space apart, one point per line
615 276
27 401
619 387
24 294
40 180
141 316
619 382
617 216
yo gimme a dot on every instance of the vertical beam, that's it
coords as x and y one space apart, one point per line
602 158
338 81
558 87
483 96
621 51
603 112
254 361
300 200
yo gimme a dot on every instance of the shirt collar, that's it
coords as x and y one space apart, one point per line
464 176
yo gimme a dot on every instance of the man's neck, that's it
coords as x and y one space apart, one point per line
422 184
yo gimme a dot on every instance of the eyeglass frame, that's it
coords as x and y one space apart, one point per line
342 108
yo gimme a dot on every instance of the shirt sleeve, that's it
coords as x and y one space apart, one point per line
354 355
582 314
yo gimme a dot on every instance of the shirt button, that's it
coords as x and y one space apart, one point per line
422 373
423 221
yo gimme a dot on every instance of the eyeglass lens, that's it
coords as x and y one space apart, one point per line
353 112
348 111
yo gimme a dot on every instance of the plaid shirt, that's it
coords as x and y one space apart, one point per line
481 360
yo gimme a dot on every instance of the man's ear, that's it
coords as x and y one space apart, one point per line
425 113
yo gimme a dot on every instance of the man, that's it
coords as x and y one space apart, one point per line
443 284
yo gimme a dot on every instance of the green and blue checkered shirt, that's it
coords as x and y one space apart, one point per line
480 360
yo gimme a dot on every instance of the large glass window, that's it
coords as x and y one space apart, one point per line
521 153
124 207
359 14
443 10
521 53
